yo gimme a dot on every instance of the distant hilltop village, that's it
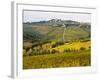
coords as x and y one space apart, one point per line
55 20
66 22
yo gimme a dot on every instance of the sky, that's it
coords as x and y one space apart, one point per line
35 16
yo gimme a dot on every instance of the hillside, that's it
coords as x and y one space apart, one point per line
53 30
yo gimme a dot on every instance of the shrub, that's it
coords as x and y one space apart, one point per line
57 44
82 48
85 40
45 52
54 51
30 51
89 47
67 50
24 51
60 43
30 54
54 45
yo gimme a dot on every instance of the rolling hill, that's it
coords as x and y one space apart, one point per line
53 30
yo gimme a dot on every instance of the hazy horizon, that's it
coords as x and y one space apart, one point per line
36 16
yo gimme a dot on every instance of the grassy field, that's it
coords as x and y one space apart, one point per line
74 46
72 59
68 55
